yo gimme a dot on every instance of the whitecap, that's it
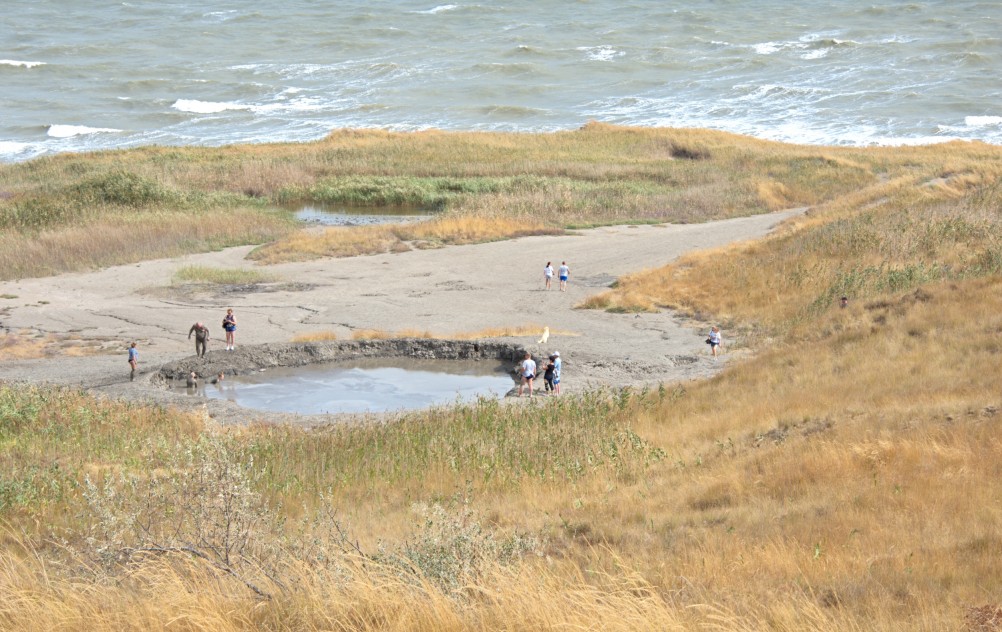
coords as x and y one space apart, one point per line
767 48
439 9
206 107
982 121
600 53
67 131
21 64
816 54
13 149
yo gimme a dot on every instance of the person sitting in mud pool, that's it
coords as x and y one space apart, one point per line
219 378
201 338
192 381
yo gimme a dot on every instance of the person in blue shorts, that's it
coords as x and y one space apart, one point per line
564 273
230 326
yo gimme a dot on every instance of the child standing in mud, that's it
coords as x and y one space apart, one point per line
133 361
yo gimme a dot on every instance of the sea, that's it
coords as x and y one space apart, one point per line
80 75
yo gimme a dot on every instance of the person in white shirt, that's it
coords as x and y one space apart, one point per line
548 274
528 369
564 273
714 340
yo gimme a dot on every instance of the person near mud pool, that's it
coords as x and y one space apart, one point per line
230 326
548 376
557 367
201 338
564 272
133 361
714 340
528 372
548 274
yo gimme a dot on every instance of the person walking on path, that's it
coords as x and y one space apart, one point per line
230 326
133 361
528 369
564 273
548 274
714 340
201 338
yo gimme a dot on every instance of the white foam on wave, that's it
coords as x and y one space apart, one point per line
21 64
13 149
816 54
600 53
439 9
982 121
206 107
68 131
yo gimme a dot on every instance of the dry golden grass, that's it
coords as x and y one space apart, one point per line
315 336
106 243
841 477
360 240
27 345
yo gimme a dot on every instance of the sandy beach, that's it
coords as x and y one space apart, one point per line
443 291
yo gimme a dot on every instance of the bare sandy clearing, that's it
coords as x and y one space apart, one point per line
444 291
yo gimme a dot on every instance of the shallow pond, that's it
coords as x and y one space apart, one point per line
342 215
373 385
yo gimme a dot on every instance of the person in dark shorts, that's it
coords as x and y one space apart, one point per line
527 370
133 361
230 326
548 375
201 338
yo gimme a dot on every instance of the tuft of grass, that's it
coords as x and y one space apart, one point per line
316 336
221 276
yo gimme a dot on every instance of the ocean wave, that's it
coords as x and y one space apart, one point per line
511 111
67 131
21 64
600 53
439 9
206 107
982 121
11 149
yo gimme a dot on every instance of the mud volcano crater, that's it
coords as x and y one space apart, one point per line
348 376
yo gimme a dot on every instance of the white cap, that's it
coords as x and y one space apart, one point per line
556 353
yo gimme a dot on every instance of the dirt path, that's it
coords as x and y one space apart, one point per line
444 291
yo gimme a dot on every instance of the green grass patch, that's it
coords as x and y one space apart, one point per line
222 276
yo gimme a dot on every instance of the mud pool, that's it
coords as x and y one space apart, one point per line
368 385
341 215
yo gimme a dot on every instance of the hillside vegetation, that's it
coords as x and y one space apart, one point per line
843 476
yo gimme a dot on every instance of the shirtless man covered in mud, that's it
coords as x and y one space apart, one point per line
201 338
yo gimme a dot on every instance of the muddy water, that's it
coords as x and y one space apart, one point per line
341 215
375 385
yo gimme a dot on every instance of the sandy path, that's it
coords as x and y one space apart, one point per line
448 290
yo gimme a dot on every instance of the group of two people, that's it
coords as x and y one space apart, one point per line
563 273
551 374
202 334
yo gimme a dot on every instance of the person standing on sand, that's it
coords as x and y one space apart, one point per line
548 274
133 361
230 326
528 369
557 366
201 338
564 273
714 340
